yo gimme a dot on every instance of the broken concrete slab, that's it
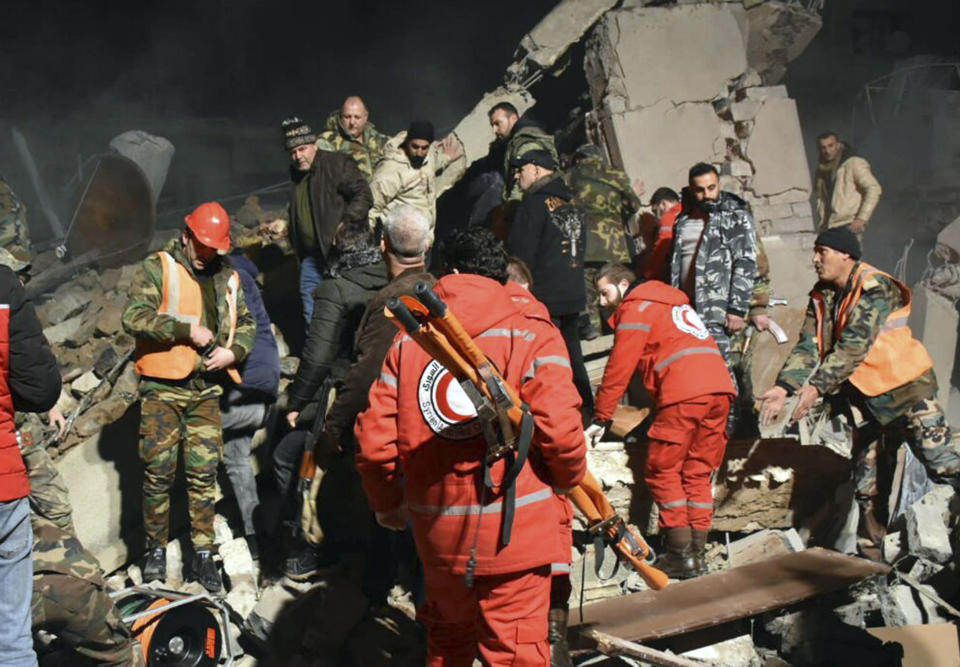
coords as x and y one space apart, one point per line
84 384
563 26
727 595
934 321
762 546
778 32
902 605
151 153
737 652
927 536
272 601
775 148
763 92
67 330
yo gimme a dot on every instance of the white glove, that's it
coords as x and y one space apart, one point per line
594 434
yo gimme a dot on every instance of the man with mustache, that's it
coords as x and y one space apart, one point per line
856 350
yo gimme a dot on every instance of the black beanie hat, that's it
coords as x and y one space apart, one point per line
840 238
420 129
296 133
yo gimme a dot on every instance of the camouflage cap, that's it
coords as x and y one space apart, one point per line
10 260
588 151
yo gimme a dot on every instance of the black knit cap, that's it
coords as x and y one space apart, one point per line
420 129
538 157
296 132
841 239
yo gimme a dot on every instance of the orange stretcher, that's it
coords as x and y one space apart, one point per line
508 425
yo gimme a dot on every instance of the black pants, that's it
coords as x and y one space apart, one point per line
569 329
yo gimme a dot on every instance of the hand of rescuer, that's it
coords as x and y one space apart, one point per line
395 519
292 417
734 323
594 433
808 396
57 420
219 359
771 404
760 321
200 336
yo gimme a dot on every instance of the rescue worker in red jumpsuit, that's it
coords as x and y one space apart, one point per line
420 457
658 335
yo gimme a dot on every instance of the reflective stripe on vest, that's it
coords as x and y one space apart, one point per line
467 510
685 353
181 299
895 358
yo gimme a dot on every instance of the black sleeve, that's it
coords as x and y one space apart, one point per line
524 237
355 191
33 372
321 347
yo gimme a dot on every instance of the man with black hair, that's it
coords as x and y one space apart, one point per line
715 255
847 191
658 335
655 262
856 350
421 453
548 233
520 136
407 174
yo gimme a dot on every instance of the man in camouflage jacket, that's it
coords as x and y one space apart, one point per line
521 136
723 265
350 131
190 407
881 422
609 202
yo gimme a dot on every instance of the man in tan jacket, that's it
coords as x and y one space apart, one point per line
408 172
847 191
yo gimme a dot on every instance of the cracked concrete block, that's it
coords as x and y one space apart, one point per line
927 536
736 652
746 109
893 546
802 209
775 148
714 51
65 304
242 597
924 569
791 275
778 32
151 153
789 197
659 143
772 211
237 561
902 605
763 92
740 168
934 321
793 225
67 330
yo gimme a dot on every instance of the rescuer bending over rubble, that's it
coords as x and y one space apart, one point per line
856 350
658 335
192 325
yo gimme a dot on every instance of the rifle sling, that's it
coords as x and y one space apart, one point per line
514 466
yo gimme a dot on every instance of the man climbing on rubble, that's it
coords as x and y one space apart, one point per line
421 454
350 131
847 191
856 351
192 327
658 335
327 190
520 136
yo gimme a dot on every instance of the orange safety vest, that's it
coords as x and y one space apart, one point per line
183 301
895 358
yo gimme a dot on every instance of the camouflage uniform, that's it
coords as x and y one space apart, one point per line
725 266
909 412
526 136
185 411
608 200
741 354
70 598
367 151
14 233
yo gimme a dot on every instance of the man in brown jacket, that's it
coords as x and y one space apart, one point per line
327 189
847 191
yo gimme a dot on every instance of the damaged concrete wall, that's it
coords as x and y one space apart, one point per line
676 85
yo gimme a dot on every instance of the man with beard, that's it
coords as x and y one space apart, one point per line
327 190
408 173
715 255
856 350
847 191
349 131
520 136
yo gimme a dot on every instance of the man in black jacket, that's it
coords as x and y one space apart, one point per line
29 382
548 233
327 189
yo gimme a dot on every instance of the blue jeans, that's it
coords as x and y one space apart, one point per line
311 275
16 584
240 421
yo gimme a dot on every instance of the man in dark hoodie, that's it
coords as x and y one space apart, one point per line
658 335
548 233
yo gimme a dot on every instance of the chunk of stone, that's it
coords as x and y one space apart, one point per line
745 109
763 92
893 547
927 536
221 530
109 321
59 334
775 148
135 574
272 600
237 561
106 359
242 597
902 605
736 652
66 403
175 573
84 384
924 569
65 304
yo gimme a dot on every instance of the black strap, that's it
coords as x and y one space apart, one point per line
514 467
600 542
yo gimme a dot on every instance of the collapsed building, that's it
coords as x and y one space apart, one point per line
669 85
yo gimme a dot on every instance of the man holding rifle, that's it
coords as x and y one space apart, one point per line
422 456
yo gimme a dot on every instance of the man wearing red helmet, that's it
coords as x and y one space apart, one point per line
191 324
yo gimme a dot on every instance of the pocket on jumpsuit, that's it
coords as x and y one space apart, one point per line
531 638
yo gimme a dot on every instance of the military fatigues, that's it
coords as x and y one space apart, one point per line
526 136
608 200
367 151
14 234
909 412
70 598
185 411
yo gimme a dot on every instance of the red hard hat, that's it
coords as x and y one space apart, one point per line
210 224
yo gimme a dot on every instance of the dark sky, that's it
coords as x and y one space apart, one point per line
256 61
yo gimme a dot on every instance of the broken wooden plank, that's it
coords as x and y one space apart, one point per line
728 595
626 418
610 645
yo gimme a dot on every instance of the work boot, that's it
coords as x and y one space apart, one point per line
586 329
155 564
677 562
306 562
205 571
698 545
557 635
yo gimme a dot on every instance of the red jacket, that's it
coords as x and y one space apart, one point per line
419 444
658 334
657 266
526 302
